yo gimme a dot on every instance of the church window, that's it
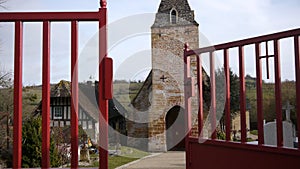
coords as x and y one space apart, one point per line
173 16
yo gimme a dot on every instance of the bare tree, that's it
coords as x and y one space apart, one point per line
2 2
6 105
5 112
5 79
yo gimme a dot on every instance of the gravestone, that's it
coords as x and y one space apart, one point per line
270 130
287 107
270 134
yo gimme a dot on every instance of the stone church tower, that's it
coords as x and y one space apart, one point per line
159 117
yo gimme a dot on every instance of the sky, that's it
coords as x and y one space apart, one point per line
129 24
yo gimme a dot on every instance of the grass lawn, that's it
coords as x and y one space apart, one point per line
254 132
128 155
116 161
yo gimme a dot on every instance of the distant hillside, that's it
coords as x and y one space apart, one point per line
288 92
125 91
31 98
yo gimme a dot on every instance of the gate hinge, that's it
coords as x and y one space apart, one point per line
108 78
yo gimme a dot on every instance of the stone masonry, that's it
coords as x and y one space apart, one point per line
164 88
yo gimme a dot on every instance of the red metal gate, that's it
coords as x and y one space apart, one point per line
214 153
105 80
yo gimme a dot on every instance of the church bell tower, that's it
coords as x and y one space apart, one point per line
174 26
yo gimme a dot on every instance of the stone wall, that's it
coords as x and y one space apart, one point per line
164 87
168 78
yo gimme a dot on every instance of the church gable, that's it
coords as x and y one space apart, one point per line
174 12
142 100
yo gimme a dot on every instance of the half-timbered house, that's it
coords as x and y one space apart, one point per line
88 111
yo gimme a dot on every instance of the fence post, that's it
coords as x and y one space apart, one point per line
17 148
46 96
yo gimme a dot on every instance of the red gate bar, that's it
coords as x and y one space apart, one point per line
297 69
49 16
74 94
187 75
267 60
245 42
46 96
227 103
259 98
200 95
213 95
278 94
103 103
242 94
17 139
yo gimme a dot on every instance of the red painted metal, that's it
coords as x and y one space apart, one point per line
278 94
108 78
17 139
213 154
259 97
267 60
105 69
213 108
103 3
46 97
74 94
242 94
200 96
50 16
297 69
227 104
188 101
245 42
103 103
204 154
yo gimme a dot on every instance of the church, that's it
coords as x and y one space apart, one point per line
158 123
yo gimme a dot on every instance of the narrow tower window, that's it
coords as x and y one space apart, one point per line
173 16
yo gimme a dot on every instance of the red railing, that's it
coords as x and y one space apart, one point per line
105 78
224 48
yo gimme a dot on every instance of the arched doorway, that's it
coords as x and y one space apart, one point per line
175 129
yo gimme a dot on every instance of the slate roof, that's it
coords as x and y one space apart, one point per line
141 101
88 99
184 11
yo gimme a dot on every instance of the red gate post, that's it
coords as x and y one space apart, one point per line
46 96
278 94
227 103
17 137
74 94
200 95
213 107
242 94
103 98
259 102
297 69
187 103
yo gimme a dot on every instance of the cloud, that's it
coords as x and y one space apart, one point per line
223 21
220 21
52 5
